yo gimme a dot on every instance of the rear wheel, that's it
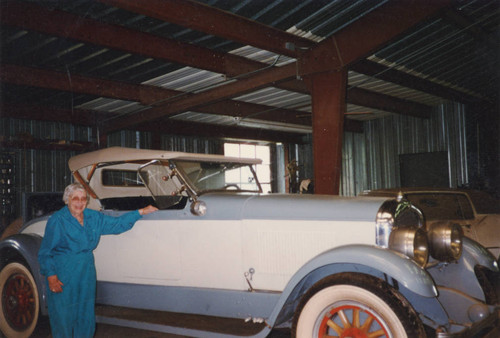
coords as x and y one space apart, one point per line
355 305
19 303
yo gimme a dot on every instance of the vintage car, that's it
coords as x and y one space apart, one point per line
477 212
220 249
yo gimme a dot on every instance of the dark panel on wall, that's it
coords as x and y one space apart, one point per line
424 169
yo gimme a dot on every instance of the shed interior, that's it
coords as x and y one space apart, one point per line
340 91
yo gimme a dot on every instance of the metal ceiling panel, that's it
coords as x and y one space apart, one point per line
456 50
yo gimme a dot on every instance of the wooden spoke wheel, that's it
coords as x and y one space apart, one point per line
19 305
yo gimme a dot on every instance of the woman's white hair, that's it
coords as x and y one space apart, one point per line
70 190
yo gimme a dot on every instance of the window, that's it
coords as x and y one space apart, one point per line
263 170
128 178
442 206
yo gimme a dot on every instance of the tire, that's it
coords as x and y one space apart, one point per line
330 307
19 302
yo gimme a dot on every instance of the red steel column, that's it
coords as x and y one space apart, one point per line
328 108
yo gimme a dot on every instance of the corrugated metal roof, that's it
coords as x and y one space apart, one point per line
437 51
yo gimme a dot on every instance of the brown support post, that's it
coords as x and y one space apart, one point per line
328 108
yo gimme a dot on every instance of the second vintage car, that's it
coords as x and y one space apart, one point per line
219 248
477 212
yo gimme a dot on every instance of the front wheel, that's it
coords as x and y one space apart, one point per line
355 305
19 303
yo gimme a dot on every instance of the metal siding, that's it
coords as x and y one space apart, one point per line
41 170
370 160
390 137
191 144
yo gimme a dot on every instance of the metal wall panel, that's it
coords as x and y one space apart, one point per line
388 138
371 160
192 144
41 170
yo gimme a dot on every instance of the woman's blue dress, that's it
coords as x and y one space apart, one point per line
67 251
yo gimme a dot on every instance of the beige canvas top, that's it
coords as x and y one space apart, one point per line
117 154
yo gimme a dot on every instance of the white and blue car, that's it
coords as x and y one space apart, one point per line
321 266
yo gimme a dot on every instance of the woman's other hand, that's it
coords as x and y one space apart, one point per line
55 285
147 210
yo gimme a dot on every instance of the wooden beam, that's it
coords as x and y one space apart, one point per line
204 18
367 34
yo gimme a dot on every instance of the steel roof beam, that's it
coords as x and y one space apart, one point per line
31 16
89 118
37 18
82 117
36 77
193 102
204 18
367 34
333 54
366 98
384 73
26 18
145 94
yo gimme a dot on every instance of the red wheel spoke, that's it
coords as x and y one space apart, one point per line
350 321
19 300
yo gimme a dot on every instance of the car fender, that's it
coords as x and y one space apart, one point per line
25 246
460 275
395 268
480 254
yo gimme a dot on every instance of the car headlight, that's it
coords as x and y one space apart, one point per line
446 241
395 214
411 242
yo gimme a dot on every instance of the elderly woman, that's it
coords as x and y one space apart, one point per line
67 260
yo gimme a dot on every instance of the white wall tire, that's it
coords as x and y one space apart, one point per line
355 305
19 302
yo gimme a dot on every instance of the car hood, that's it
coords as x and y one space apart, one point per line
291 207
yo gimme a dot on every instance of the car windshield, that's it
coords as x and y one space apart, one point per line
210 176
484 203
442 206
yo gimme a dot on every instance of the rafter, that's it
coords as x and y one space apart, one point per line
366 98
201 17
145 94
25 15
208 20
174 127
367 34
209 96
37 18
331 55
382 72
